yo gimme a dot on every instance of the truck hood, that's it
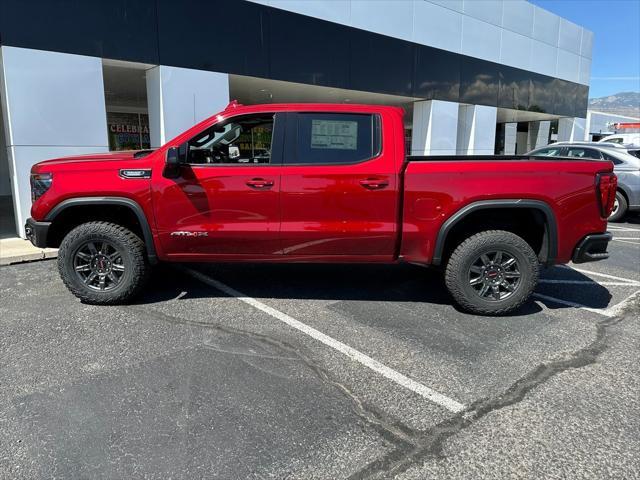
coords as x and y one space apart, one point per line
90 159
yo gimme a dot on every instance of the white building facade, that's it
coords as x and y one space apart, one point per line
474 76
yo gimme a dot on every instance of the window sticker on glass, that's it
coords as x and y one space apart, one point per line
334 134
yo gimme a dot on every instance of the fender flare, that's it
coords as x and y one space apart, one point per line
120 201
551 230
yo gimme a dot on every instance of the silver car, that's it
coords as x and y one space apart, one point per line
626 167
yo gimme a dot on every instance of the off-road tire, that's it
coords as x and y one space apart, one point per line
623 206
460 261
133 255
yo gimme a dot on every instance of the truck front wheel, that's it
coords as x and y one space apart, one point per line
103 263
492 272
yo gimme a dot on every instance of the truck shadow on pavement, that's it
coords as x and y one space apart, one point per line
359 282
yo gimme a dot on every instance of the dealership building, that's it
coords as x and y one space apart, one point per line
474 76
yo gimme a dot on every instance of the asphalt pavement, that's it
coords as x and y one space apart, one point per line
322 372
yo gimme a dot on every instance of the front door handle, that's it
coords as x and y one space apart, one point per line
260 183
374 183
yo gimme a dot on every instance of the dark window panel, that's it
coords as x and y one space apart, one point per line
381 64
564 97
581 101
478 81
514 88
222 35
307 50
437 74
119 29
542 96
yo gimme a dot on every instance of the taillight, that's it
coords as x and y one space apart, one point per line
606 186
40 183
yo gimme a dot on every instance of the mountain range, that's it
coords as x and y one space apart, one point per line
623 103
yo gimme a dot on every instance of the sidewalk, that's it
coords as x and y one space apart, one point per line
16 250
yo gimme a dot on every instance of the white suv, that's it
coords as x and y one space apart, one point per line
627 138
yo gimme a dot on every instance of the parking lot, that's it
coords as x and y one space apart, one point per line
322 371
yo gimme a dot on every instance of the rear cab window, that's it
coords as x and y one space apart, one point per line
335 138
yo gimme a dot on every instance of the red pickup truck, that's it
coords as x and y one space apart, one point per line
318 183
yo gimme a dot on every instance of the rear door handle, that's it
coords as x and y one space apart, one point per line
374 183
260 183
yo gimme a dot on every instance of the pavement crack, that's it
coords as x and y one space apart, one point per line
430 442
396 433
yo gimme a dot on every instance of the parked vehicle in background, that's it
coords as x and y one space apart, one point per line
318 183
628 138
635 151
626 167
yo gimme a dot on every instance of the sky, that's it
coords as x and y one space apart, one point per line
616 43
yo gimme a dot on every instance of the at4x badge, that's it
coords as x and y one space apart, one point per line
184 233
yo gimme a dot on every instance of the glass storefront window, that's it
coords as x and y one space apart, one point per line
128 131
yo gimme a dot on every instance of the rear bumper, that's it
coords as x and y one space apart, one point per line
37 232
592 248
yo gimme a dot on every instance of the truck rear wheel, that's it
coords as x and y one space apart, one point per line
103 263
492 272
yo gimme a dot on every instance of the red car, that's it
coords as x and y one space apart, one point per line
318 183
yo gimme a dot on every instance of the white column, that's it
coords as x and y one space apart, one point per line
476 130
53 106
5 176
510 132
538 134
435 125
571 130
178 98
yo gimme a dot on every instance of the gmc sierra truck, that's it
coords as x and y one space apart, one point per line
318 183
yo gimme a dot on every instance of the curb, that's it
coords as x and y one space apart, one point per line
45 254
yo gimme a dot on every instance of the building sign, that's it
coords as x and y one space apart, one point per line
128 131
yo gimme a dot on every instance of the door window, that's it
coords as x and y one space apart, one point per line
583 153
243 140
335 138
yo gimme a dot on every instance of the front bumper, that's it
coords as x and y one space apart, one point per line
37 232
592 248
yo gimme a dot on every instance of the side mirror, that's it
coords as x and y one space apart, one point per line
172 163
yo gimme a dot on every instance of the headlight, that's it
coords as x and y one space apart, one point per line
40 183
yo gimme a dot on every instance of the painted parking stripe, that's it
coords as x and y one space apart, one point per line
637 242
611 311
588 282
623 229
603 275
397 377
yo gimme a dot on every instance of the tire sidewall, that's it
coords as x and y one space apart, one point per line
457 271
73 243
622 208
525 275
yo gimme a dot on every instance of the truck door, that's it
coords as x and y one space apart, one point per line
226 200
339 186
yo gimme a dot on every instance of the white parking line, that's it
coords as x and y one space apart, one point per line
587 282
622 229
611 311
637 242
397 377
604 275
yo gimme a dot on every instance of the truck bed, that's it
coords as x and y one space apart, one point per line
469 158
